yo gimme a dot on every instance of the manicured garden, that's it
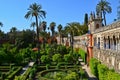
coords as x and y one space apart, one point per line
51 57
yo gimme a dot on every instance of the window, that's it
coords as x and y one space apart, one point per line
97 26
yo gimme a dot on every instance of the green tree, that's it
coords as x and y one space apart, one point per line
13 32
44 26
59 29
102 8
35 10
52 27
86 19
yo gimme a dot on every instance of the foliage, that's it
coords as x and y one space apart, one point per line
86 19
47 66
57 58
102 8
45 59
58 65
102 72
82 54
72 76
59 75
14 72
67 57
93 66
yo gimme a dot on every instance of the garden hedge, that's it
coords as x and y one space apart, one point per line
83 54
93 66
102 72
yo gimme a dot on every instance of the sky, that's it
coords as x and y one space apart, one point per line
12 12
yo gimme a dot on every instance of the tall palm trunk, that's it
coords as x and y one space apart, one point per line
104 17
38 44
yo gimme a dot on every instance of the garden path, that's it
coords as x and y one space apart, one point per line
30 64
87 69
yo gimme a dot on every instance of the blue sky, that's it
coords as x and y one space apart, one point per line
60 11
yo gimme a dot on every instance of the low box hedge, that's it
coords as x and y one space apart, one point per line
12 75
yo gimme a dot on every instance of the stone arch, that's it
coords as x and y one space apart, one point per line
98 42
109 42
105 42
114 42
95 41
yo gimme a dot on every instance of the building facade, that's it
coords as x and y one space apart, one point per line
102 42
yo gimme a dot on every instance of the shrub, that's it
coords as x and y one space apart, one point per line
57 58
72 76
67 57
45 59
102 71
93 66
58 66
82 54
47 66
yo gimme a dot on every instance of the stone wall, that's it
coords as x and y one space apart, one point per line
108 57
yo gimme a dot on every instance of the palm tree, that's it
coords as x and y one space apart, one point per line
44 25
102 8
52 27
35 10
59 29
1 24
13 32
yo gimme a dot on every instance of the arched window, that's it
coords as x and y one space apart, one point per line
97 26
114 43
108 42
104 43
98 43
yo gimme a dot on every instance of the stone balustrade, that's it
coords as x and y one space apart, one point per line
108 57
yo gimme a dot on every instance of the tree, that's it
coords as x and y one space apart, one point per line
86 19
13 32
44 26
35 10
1 24
59 29
102 8
52 27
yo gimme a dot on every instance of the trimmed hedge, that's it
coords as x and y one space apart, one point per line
102 72
93 66
26 74
12 75
83 54
42 73
107 74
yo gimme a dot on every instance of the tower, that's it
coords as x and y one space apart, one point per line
94 22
